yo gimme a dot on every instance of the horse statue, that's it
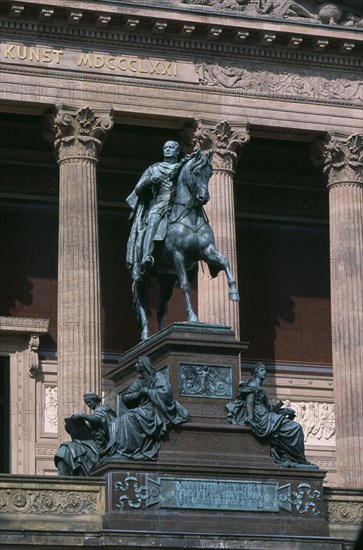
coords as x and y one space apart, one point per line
189 239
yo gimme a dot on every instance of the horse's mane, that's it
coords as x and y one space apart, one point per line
199 161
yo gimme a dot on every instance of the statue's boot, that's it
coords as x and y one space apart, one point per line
147 259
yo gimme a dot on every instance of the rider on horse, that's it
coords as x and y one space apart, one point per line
150 202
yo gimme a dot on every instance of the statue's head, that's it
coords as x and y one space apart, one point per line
92 400
259 371
171 150
144 365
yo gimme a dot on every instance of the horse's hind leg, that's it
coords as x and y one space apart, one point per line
179 262
211 255
166 283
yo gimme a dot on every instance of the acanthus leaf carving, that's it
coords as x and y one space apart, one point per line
227 146
78 133
341 159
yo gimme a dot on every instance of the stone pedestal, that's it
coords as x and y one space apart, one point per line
78 139
201 360
209 477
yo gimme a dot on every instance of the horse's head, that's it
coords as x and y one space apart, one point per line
198 171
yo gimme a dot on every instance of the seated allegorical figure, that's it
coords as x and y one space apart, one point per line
151 410
253 408
90 437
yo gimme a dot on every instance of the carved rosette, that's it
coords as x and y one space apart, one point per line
341 159
227 146
79 133
348 512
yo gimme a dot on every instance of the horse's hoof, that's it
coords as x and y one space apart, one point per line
234 296
193 319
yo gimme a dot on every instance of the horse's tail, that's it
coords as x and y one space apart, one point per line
136 303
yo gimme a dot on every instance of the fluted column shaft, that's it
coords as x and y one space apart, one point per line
78 139
343 167
213 303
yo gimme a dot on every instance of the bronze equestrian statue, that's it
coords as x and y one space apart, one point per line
170 232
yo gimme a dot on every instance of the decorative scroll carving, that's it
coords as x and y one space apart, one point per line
317 420
38 501
132 493
205 380
33 357
304 499
341 159
78 133
315 11
256 80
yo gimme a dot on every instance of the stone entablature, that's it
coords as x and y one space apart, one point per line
207 20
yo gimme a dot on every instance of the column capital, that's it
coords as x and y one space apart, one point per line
225 142
341 159
78 133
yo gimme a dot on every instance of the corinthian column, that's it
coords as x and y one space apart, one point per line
342 161
77 141
213 303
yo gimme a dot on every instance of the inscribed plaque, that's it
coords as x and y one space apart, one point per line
207 494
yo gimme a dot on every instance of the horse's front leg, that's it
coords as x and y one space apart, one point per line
166 283
179 263
140 296
211 255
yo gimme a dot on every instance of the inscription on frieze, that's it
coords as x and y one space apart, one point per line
205 380
219 495
115 62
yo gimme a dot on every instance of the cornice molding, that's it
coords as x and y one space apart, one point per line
149 23
24 325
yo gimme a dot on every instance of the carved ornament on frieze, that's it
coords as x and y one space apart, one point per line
312 11
38 501
344 512
281 83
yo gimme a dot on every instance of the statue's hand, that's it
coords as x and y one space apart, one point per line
288 411
144 392
77 416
